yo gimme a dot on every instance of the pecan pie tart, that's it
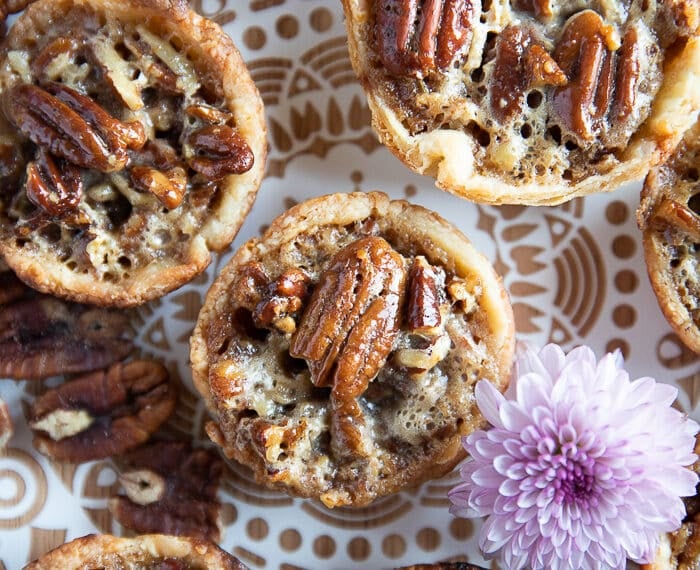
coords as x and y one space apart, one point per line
338 353
132 146
527 101
145 552
669 217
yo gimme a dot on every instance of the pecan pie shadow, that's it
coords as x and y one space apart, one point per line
669 217
527 101
132 147
339 352
146 551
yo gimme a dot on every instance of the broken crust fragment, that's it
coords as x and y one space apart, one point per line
111 552
247 374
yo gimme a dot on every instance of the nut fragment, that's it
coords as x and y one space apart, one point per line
171 489
282 301
53 186
169 186
410 42
672 214
426 297
116 410
6 426
522 63
348 328
542 9
217 151
43 336
72 126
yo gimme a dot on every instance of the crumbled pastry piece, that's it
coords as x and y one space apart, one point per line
132 146
389 317
669 217
103 413
170 488
146 552
7 428
527 101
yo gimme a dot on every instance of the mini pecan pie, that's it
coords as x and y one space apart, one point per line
339 352
146 552
669 217
132 146
527 101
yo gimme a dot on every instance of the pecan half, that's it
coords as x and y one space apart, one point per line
104 413
72 126
171 489
217 151
6 425
521 63
602 77
413 42
348 328
53 185
43 336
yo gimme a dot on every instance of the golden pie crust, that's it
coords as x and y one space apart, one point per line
317 360
669 217
135 211
145 552
500 104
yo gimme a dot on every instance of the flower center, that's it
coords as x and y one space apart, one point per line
574 479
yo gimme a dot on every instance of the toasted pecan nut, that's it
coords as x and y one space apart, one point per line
426 297
103 413
43 336
218 150
410 42
53 186
6 426
72 126
169 186
283 300
170 488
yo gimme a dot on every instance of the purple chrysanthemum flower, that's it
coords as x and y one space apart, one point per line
582 468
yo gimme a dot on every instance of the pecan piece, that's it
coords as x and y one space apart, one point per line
6 426
169 186
409 43
542 9
670 214
170 489
43 336
428 342
53 185
521 63
72 126
103 413
603 78
348 328
282 302
218 150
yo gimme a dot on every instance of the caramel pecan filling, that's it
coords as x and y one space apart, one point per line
116 144
523 74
